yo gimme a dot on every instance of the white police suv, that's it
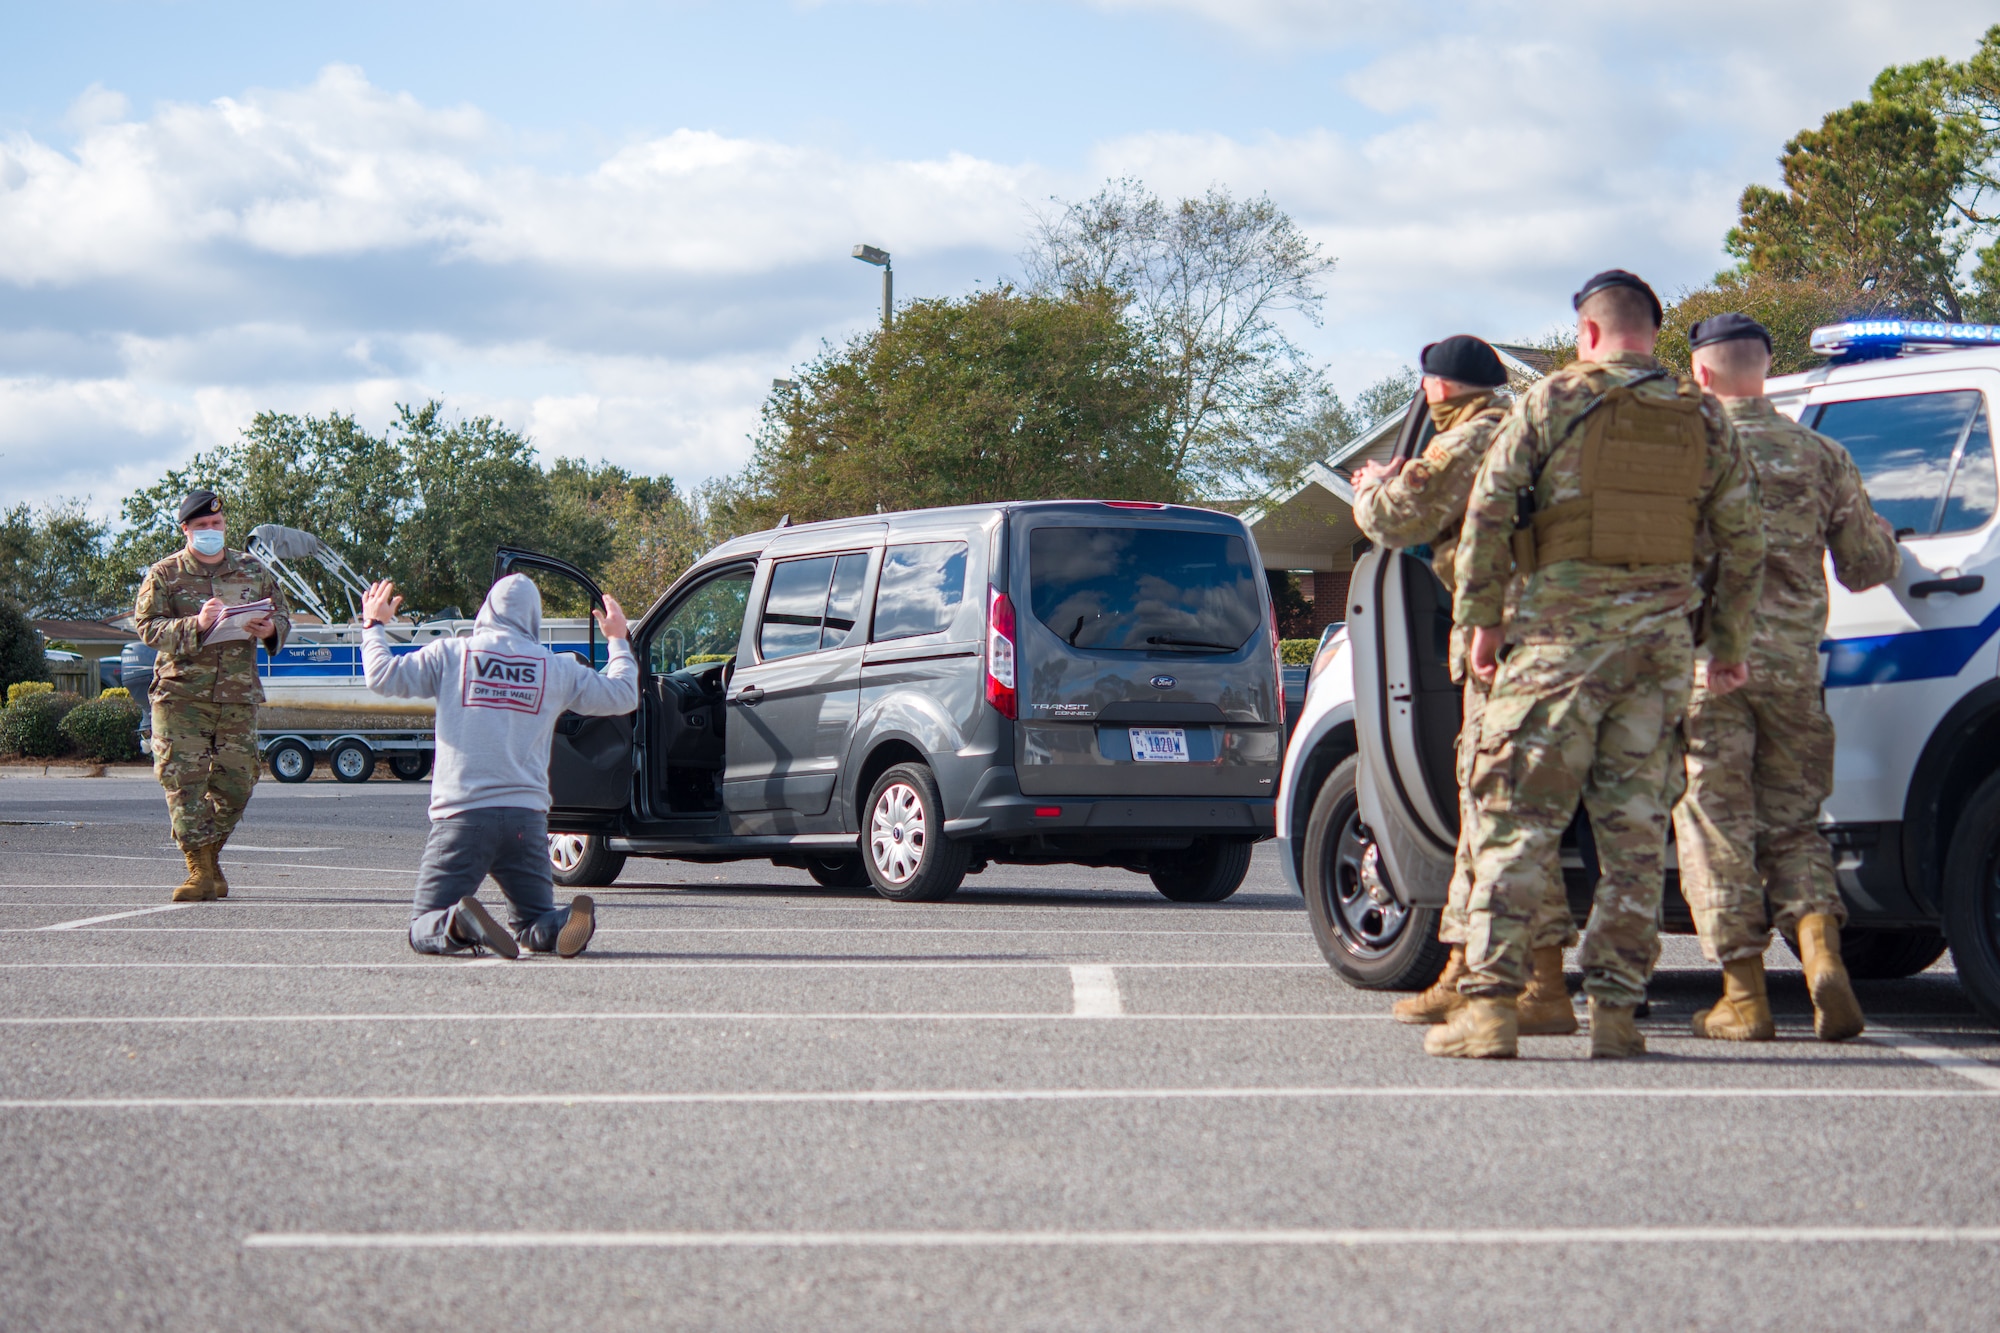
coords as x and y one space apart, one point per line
1367 808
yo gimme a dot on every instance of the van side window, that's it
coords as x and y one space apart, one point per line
922 587
843 607
1926 458
794 607
704 627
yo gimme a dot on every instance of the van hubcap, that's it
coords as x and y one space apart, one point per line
565 850
1366 911
896 833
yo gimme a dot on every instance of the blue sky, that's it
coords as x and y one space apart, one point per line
612 224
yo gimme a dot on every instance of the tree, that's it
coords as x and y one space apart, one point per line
21 648
1791 310
1332 423
1889 196
54 562
1205 282
994 396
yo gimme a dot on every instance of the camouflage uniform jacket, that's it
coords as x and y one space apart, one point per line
1814 505
167 619
1582 601
1425 501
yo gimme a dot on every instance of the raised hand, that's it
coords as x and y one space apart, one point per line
612 618
380 603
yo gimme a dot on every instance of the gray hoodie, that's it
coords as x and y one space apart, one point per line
499 692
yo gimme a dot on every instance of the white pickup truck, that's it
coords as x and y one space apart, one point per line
1367 808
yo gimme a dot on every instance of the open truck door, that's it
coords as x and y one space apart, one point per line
590 758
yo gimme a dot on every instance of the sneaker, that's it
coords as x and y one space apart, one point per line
471 924
575 935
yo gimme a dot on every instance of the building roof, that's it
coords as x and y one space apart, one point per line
83 631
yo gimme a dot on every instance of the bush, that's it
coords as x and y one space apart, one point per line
32 727
21 648
1297 652
21 689
116 692
104 729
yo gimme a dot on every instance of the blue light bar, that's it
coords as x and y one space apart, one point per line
1862 338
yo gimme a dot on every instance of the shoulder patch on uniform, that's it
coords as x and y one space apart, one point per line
1436 454
1416 474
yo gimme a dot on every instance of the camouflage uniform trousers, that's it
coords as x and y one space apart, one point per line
1554 923
1599 720
205 756
1759 762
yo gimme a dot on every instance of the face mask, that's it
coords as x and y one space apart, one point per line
208 541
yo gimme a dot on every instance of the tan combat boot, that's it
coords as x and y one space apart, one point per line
211 856
196 888
1613 1033
1836 1013
1482 1028
1545 1007
1441 1001
1744 1013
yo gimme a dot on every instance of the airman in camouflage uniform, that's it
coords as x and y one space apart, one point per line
1423 502
1594 490
205 697
1760 760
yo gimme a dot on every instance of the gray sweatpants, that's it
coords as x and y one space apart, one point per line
507 842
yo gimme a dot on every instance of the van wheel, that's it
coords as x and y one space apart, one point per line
290 761
838 872
1207 872
909 859
583 861
1369 935
1972 898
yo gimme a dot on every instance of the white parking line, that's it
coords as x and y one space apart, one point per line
529 960
94 920
1961 1063
977 1096
253 865
1291 936
1094 991
679 1015
1289 1236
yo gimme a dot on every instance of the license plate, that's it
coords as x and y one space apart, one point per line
1159 745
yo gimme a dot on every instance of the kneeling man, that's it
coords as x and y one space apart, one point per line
499 693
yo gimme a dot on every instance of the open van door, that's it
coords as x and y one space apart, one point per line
590 758
1406 717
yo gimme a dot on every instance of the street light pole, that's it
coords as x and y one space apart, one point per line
869 254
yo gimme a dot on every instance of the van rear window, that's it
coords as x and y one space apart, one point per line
1144 589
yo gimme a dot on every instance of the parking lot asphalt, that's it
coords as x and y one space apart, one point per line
1055 1101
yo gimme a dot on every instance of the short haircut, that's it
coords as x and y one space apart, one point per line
1620 310
1736 358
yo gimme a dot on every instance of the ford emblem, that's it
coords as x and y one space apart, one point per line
1164 682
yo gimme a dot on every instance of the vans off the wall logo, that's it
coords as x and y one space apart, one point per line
493 680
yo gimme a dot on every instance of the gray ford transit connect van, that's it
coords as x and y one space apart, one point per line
902 699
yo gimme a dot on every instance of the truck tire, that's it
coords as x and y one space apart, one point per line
1372 939
291 761
908 856
411 766
351 761
1207 872
583 861
1972 898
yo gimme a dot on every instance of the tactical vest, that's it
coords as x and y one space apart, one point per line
1642 463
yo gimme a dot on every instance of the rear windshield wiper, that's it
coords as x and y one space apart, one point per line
1164 641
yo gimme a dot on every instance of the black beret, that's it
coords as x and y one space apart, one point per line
1618 277
1727 328
200 503
1464 358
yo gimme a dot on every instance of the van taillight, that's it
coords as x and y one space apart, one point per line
1278 664
1000 690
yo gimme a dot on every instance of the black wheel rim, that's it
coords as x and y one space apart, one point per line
1361 905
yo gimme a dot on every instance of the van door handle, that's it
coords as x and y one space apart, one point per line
750 694
1963 584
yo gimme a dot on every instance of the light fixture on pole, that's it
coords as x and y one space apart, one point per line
869 254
